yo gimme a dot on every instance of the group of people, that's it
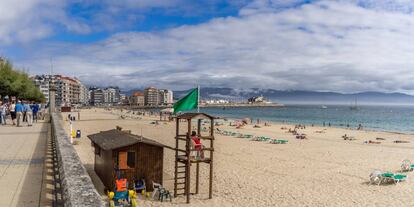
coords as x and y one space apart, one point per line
21 111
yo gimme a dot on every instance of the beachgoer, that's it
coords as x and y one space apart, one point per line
29 113
197 145
19 112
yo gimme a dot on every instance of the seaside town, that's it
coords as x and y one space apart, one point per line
132 154
206 103
71 91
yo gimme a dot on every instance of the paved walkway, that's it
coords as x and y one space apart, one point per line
22 155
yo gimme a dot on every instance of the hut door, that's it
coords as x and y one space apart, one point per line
122 160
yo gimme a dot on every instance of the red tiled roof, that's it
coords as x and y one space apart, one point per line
137 93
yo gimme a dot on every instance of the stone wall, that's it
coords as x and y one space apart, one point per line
76 185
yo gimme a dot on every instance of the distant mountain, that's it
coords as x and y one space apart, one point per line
294 96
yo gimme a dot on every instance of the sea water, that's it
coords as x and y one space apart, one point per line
382 118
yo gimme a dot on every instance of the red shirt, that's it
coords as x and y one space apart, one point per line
196 141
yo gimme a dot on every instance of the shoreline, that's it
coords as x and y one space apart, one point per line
321 126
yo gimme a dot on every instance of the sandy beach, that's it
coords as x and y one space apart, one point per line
322 170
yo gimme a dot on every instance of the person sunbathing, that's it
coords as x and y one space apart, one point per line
401 141
372 142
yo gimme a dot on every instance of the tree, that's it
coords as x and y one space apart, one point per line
16 83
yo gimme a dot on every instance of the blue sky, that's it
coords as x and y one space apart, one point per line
147 19
324 45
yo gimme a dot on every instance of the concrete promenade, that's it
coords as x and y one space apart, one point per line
22 156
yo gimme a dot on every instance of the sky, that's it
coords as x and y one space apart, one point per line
336 45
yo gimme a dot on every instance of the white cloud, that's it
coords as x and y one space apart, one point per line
326 45
28 20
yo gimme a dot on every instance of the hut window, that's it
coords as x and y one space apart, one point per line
126 160
131 159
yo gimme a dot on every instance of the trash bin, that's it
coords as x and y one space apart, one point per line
78 133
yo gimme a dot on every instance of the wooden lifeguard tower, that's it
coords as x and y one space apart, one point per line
183 158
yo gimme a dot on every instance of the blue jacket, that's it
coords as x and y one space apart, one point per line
19 107
27 108
35 108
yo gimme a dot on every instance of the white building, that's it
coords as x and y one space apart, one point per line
111 95
151 95
219 101
42 82
84 95
68 90
165 97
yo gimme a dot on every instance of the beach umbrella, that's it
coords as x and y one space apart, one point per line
170 110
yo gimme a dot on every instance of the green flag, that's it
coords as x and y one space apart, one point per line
188 102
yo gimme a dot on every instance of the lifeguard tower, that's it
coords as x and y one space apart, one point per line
183 153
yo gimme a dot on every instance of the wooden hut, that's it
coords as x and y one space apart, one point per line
122 154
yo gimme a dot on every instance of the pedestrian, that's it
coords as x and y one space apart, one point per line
24 111
4 112
29 113
42 111
35 110
19 112
1 113
12 109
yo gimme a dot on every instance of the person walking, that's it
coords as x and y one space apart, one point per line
42 108
29 113
19 112
24 111
1 113
12 109
35 109
4 113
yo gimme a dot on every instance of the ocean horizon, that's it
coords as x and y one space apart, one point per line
390 118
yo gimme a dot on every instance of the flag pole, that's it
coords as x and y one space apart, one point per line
198 99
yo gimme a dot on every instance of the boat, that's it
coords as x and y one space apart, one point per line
324 107
355 106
